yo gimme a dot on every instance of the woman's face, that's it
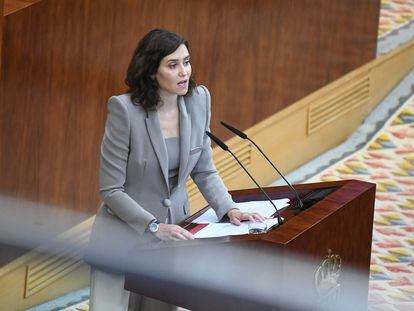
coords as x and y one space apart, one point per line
174 72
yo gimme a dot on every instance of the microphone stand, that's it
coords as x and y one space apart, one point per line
226 148
244 136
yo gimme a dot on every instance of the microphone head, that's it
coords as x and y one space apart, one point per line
218 141
234 130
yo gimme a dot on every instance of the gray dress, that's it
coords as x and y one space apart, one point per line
173 153
139 302
101 279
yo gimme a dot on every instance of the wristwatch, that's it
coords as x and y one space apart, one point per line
153 226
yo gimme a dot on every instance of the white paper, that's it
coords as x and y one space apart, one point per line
214 230
262 207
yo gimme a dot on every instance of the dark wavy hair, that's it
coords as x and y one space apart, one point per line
140 78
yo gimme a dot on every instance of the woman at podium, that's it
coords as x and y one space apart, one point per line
154 140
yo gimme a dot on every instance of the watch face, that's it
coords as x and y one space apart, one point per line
153 227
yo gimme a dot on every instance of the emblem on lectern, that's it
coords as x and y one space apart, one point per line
327 277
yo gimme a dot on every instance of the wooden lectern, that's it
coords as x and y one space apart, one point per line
334 233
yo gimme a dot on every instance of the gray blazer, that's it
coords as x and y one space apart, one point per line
134 166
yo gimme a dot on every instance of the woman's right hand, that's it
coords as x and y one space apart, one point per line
168 232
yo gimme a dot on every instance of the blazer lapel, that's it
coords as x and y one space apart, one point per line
185 133
154 131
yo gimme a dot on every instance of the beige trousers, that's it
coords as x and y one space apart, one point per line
108 294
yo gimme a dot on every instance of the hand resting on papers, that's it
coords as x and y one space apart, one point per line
236 216
167 232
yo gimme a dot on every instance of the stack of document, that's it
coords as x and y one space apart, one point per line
216 229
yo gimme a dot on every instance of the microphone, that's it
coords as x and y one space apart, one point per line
226 148
244 136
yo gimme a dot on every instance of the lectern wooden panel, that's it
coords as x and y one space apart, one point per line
338 220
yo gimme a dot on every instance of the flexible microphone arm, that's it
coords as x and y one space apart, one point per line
244 136
226 148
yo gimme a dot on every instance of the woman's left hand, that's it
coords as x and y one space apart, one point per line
236 216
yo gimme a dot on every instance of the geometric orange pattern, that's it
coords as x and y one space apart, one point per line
394 14
388 161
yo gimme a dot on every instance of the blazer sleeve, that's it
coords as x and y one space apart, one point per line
205 174
113 166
